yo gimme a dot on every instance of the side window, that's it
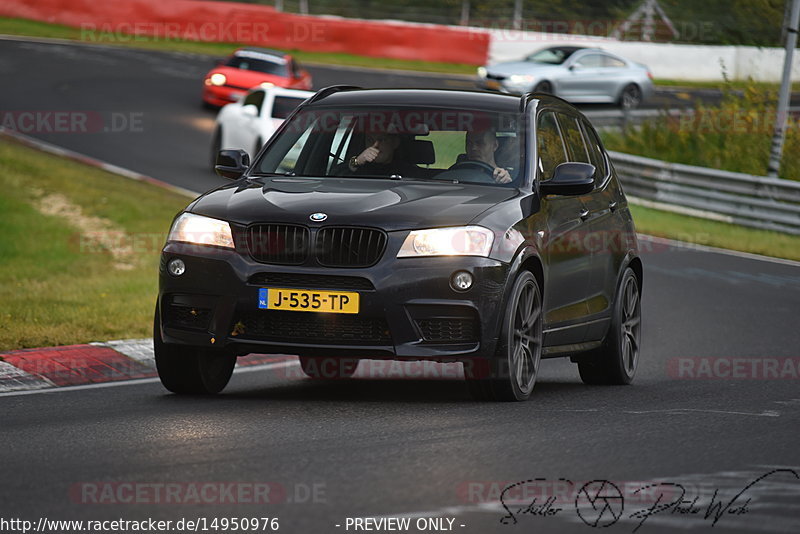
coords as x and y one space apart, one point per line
609 61
592 61
256 98
549 146
572 135
283 106
596 152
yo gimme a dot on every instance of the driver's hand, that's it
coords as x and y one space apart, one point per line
368 155
501 176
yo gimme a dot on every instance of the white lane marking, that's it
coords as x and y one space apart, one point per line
681 411
13 378
93 162
706 248
138 381
692 212
140 350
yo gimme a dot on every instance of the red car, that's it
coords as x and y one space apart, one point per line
248 67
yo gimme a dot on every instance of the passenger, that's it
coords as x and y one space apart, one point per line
480 145
380 157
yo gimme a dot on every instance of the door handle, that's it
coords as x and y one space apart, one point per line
584 214
612 206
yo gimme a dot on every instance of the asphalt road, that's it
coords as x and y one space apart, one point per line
405 446
144 107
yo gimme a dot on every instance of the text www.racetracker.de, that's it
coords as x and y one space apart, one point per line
198 524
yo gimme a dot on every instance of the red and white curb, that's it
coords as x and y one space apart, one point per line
94 363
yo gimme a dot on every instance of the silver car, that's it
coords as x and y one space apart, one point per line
576 74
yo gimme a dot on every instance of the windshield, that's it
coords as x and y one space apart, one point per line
455 145
552 56
277 68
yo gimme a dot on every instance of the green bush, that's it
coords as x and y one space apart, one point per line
735 135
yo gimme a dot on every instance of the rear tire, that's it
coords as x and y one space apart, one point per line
631 97
511 374
191 370
325 367
616 361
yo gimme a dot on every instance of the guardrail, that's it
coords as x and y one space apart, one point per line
745 199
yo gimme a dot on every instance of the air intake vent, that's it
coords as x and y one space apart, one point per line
281 244
311 281
349 247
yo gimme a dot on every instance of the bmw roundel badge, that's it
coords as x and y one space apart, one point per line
318 217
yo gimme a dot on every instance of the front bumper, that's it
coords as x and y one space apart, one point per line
216 95
407 308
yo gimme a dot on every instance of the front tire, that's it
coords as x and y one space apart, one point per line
616 361
511 374
190 370
544 87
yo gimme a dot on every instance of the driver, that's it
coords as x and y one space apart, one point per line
480 146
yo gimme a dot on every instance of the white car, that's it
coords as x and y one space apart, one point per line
248 123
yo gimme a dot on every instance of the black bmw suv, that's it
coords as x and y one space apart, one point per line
411 225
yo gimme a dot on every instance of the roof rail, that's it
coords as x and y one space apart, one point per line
327 91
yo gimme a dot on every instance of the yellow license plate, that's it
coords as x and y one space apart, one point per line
310 301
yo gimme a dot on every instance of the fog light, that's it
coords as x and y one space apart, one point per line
176 267
461 281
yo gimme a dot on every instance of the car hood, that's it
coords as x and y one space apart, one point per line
384 204
247 78
522 67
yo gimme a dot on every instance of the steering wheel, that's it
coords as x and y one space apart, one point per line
479 165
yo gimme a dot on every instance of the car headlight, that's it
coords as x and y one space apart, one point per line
218 79
458 241
519 79
482 72
199 230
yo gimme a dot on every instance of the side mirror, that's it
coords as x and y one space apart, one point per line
250 110
570 179
232 163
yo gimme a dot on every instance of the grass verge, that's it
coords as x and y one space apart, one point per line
714 233
61 285
30 28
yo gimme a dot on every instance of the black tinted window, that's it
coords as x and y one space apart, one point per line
283 106
574 139
596 154
256 98
549 145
